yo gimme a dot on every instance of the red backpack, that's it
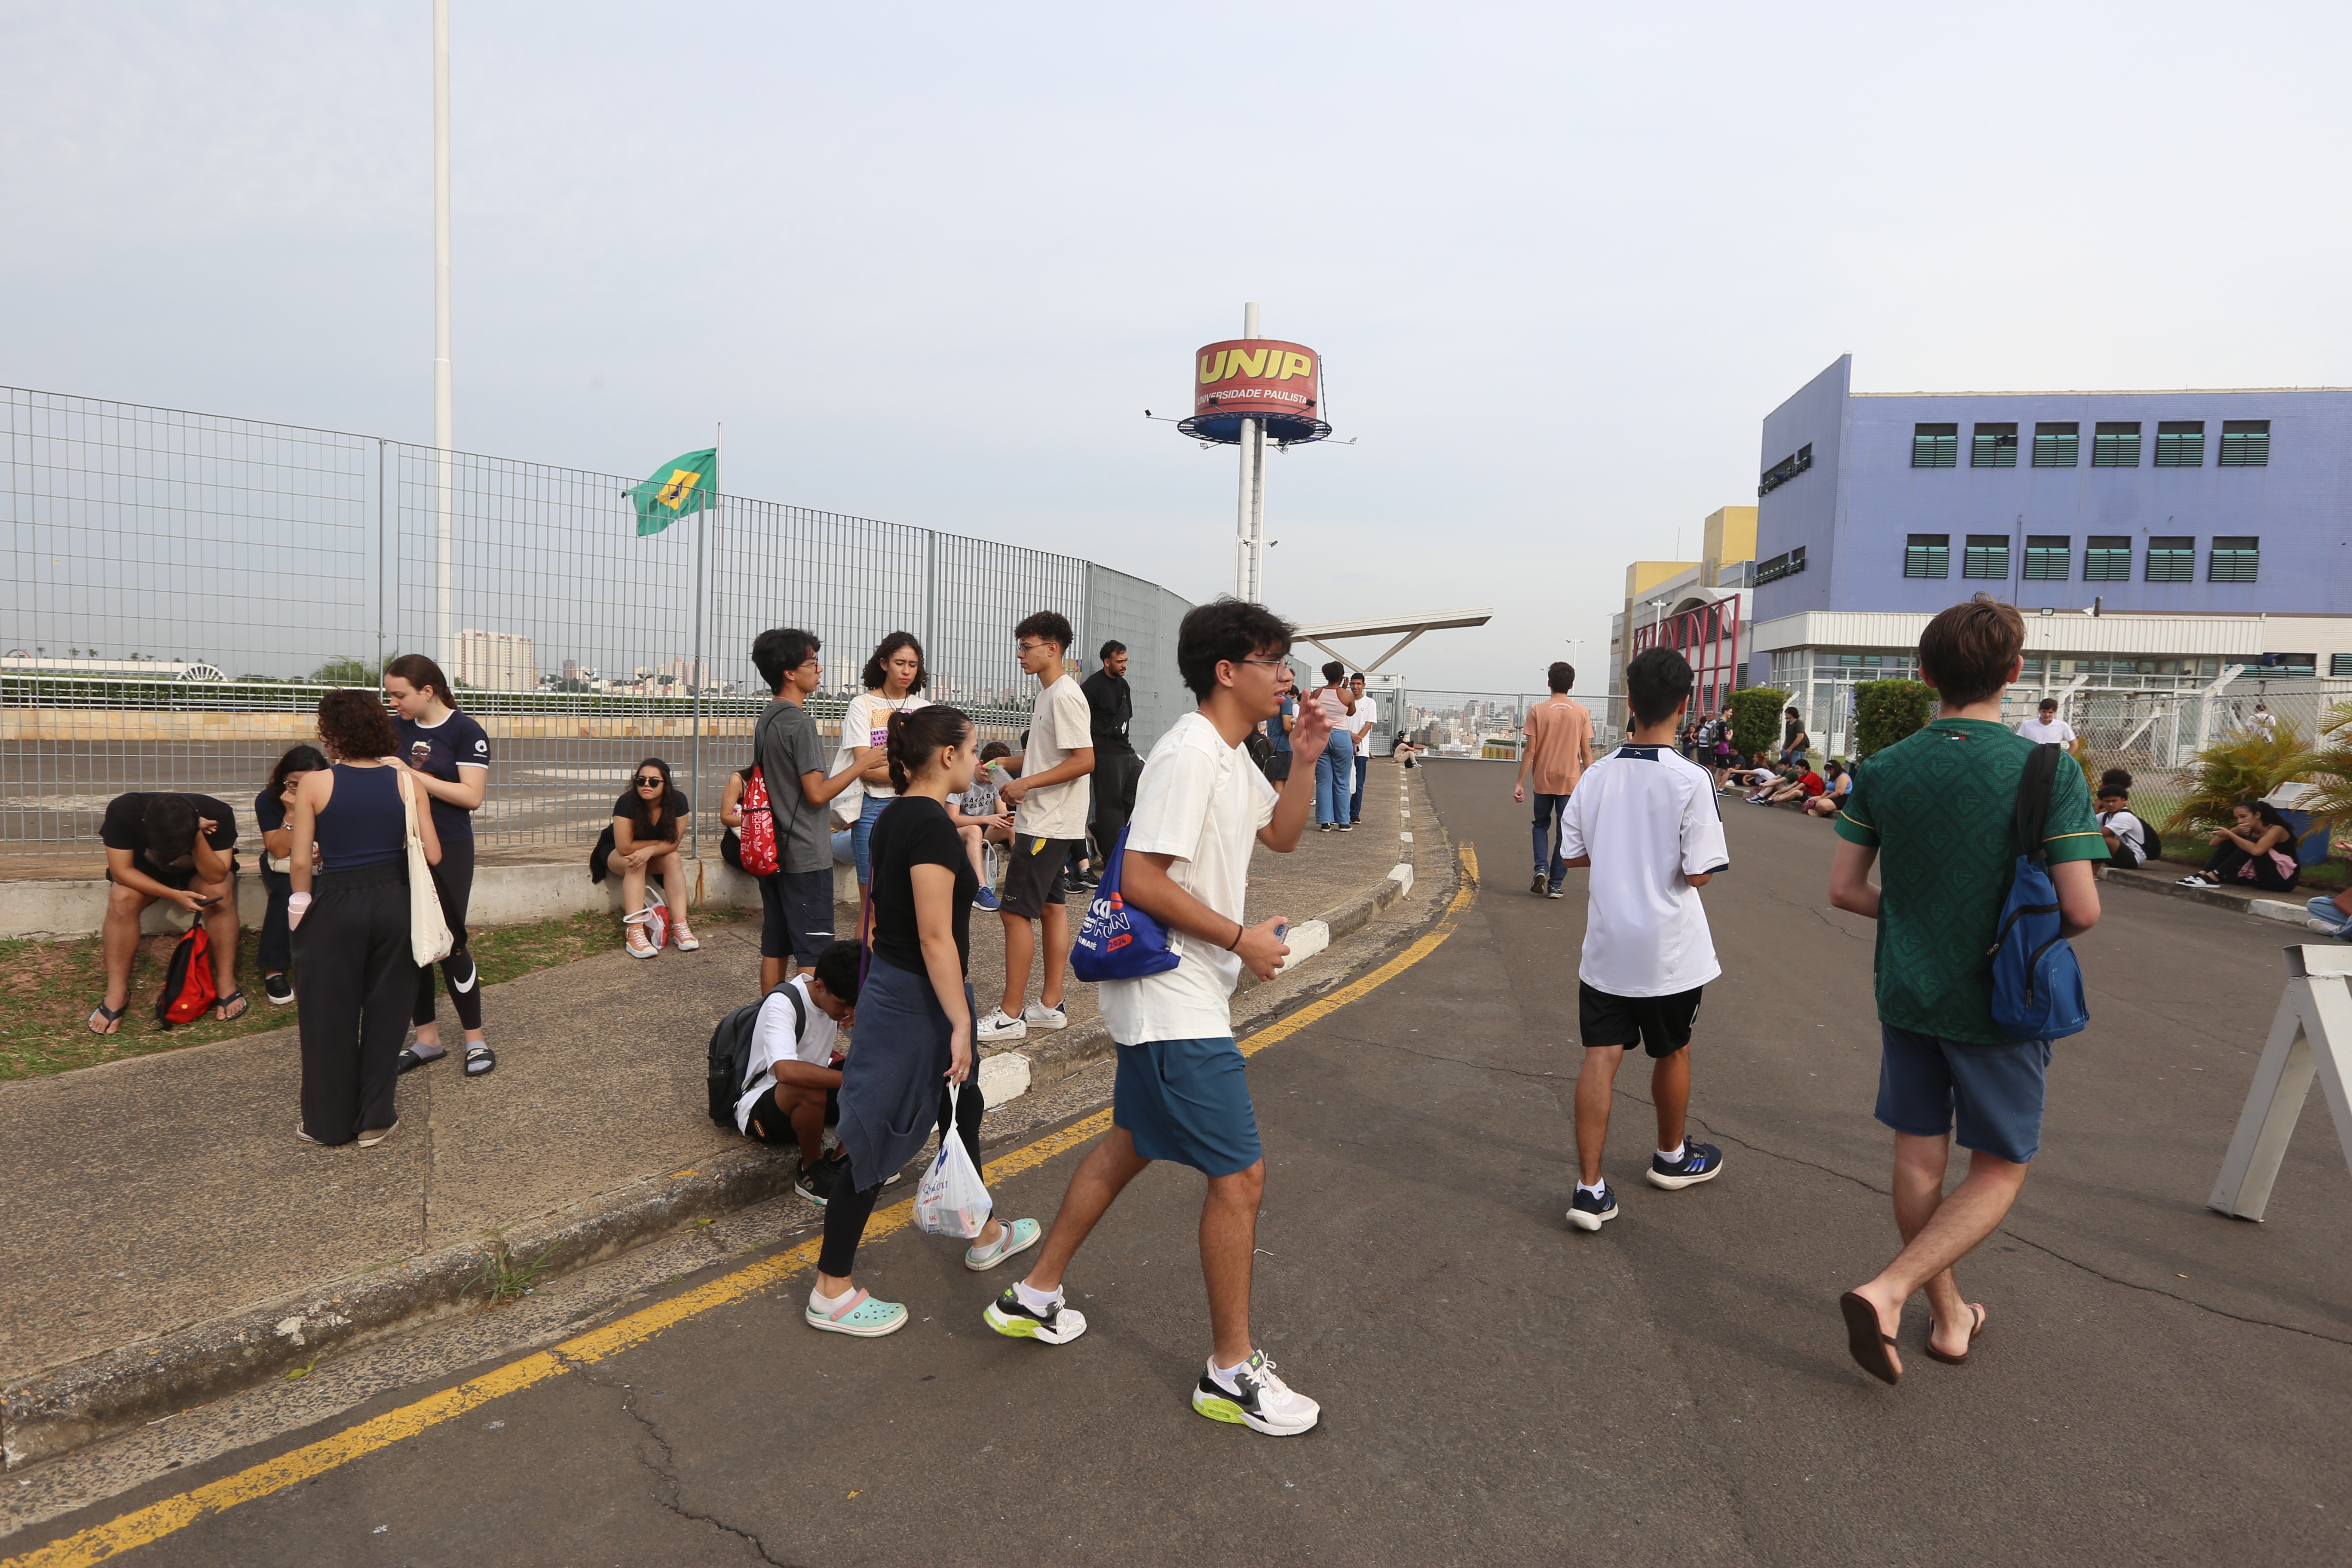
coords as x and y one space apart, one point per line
757 841
187 979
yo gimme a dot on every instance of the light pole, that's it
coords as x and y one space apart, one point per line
446 627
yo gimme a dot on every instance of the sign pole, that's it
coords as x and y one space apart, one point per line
446 628
2311 1037
1250 568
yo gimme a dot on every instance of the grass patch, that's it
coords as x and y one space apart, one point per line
48 988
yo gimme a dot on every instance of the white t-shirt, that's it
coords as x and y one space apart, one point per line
1062 723
772 1041
1647 817
866 722
2130 829
1367 712
2040 734
1202 801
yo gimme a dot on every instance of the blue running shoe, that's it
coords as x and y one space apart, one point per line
1700 1163
986 899
1588 1213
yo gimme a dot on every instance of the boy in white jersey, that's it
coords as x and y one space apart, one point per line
1644 819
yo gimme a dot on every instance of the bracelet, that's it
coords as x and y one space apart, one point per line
1240 931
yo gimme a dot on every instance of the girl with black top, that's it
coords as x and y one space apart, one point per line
915 1015
649 824
2257 853
272 810
351 922
448 755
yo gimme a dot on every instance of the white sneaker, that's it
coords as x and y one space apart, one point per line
1000 1026
1037 1015
1258 1400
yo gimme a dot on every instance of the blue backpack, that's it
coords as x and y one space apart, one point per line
2037 982
1117 942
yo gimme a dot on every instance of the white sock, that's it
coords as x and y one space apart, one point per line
1225 1374
1671 1156
1035 1301
824 1303
1596 1188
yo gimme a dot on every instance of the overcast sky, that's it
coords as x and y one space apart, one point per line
930 263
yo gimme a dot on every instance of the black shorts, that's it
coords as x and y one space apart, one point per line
1659 1024
796 915
1033 877
179 878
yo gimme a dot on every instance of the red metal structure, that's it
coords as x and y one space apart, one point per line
1707 636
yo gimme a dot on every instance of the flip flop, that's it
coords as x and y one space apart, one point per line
479 1059
1865 1341
234 998
1974 1330
109 1016
411 1057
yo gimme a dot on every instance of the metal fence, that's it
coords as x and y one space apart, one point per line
182 587
1489 723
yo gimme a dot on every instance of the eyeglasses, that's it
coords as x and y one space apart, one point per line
1271 663
1030 646
649 780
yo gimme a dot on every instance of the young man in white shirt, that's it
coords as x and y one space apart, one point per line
1183 1093
792 1068
1361 717
1050 797
2048 726
1644 819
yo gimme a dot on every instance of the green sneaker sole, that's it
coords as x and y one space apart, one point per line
1011 1326
1217 1409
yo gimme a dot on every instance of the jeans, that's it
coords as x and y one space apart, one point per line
869 811
1335 772
1356 806
2323 909
1549 863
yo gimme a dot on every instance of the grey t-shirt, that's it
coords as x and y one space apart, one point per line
788 746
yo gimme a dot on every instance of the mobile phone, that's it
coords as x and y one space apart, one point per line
207 903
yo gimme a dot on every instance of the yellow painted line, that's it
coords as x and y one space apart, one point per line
151 1523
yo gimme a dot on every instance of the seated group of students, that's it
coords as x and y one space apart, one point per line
1793 783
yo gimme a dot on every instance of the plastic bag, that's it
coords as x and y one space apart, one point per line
951 1199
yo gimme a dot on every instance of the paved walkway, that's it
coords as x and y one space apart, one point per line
149 1194
2158 1383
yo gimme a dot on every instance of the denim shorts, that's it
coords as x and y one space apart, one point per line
1187 1101
1989 1097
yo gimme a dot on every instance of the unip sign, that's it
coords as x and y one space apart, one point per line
1257 378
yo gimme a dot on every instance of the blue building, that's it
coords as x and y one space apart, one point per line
2153 538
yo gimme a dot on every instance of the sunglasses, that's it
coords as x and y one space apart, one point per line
649 780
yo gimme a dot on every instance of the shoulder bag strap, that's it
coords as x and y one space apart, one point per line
2034 786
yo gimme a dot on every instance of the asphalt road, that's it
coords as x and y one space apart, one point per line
2156 1384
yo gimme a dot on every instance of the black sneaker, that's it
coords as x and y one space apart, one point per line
1056 1325
815 1182
1588 1213
1700 1163
280 989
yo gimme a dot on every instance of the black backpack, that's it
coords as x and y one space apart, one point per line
730 1054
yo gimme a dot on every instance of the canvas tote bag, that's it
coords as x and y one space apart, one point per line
429 940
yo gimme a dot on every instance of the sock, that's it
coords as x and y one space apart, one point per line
1225 1374
824 1303
1673 1156
1596 1189
1035 1301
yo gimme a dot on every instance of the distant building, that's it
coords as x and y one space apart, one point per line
1695 606
496 662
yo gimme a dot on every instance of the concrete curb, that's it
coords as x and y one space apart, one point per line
119 1390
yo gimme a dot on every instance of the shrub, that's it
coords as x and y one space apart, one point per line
2243 764
1756 719
1884 711
2330 796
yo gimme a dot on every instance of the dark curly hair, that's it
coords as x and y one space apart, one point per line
355 724
873 676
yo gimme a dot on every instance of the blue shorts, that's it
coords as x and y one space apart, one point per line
1993 1093
1187 1101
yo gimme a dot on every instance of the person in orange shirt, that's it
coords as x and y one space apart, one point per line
1558 749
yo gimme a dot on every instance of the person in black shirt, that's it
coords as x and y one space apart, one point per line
915 1014
272 813
1110 710
449 755
179 849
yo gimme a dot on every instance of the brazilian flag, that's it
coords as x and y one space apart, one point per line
679 487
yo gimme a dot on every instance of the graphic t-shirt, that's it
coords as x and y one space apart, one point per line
1941 808
915 831
124 827
441 750
866 722
773 1040
1647 817
786 745
1202 801
1063 723
1558 735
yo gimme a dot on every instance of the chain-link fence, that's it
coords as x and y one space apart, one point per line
1490 725
184 588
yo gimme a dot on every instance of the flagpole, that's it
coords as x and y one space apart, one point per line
694 660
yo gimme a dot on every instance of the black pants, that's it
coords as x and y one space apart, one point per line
277 937
1114 793
358 977
2228 857
845 1212
454 880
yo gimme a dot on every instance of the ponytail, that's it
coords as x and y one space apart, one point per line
917 737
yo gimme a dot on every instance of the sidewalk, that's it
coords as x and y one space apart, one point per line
170 1238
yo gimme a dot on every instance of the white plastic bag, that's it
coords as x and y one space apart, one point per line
951 1199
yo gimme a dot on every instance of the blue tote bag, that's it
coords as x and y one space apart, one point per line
1117 942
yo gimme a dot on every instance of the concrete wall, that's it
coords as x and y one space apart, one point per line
503 895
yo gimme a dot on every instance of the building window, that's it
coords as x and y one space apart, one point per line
2056 446
2245 444
1787 468
2180 443
1787 563
2048 557
2234 559
1927 556
1988 557
2106 558
2339 664
2288 664
1936 446
2114 445
1996 448
2171 558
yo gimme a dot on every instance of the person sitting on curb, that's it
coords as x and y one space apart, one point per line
1836 787
2332 915
179 849
1804 786
795 1065
2256 853
649 824
2128 838
979 818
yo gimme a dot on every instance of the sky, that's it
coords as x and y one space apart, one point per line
931 263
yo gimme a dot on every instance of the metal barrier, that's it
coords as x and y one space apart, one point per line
1466 723
184 588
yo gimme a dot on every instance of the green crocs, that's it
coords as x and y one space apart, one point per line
1012 1236
861 1315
